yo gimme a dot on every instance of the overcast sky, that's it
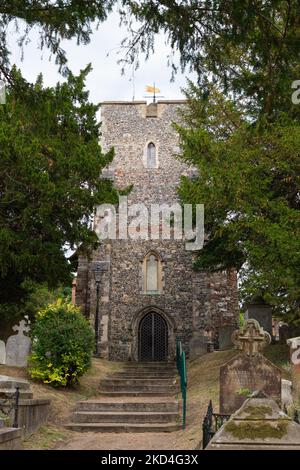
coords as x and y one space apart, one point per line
105 82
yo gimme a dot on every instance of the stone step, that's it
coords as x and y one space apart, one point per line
157 406
112 382
124 417
137 375
123 427
148 370
147 365
135 393
139 388
9 393
139 370
144 374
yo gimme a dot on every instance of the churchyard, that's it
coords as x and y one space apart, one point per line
203 386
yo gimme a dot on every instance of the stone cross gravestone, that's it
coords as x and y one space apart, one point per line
18 346
2 352
249 371
251 338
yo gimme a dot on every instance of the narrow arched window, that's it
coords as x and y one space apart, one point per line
151 155
152 273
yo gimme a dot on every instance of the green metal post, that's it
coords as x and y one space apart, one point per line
181 367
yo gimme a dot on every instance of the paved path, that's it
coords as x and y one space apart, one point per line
122 441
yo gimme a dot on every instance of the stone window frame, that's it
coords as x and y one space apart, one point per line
143 272
145 155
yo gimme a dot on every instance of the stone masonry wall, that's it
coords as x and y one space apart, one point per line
188 299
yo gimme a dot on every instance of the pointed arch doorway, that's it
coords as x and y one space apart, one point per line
153 338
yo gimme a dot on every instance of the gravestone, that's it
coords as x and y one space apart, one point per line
294 345
283 331
258 425
286 393
260 311
2 352
248 371
225 334
198 345
18 346
288 331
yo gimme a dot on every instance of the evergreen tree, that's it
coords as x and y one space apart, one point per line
249 182
50 162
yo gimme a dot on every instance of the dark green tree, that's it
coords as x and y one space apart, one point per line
249 182
250 48
50 162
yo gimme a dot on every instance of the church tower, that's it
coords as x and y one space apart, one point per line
148 293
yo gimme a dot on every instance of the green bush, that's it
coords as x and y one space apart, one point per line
62 347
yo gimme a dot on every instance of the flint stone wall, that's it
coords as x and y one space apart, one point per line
189 300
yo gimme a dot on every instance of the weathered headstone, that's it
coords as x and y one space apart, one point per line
198 345
294 344
225 334
283 331
18 346
258 425
260 311
2 352
248 371
286 393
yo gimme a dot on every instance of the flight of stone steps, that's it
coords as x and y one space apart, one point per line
140 398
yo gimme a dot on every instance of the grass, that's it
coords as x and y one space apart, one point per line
46 438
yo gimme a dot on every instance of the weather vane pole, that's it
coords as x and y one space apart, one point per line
152 89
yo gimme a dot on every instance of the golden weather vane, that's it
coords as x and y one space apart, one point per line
154 90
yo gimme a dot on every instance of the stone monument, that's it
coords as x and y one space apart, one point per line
258 310
225 336
248 371
258 425
294 344
198 344
2 352
18 345
32 412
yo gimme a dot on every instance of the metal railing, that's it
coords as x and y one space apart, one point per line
9 403
181 367
211 424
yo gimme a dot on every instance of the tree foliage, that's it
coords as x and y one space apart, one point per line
54 20
50 162
250 47
249 181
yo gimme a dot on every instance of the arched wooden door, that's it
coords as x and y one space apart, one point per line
153 338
